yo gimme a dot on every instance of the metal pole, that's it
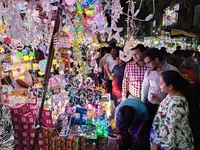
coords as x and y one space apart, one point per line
1 94
47 71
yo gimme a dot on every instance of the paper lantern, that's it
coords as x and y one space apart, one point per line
2 27
31 54
8 40
19 55
26 58
2 50
61 40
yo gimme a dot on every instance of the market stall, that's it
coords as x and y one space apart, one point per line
62 108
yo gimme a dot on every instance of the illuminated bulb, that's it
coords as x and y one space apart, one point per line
69 52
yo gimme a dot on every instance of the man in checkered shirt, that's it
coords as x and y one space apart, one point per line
134 74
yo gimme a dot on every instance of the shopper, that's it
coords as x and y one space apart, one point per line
117 76
171 129
111 61
131 116
156 65
134 74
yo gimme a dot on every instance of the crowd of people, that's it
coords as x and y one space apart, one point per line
156 97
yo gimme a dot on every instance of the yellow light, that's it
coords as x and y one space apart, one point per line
21 77
41 73
26 58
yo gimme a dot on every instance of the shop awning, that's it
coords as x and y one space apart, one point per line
178 32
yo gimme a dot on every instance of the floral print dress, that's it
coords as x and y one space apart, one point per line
171 129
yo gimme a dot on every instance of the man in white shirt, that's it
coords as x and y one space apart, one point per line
110 60
102 60
156 65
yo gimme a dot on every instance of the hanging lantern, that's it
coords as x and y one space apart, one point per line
61 40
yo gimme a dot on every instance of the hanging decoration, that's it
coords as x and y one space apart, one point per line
126 55
61 40
116 9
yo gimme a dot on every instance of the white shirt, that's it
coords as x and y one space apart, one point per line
111 63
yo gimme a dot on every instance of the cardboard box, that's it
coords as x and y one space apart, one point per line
18 147
17 142
31 103
24 118
46 113
16 127
31 119
41 148
31 141
40 135
25 142
15 119
59 142
34 110
18 110
46 141
24 134
32 127
49 133
32 133
17 135
26 147
47 122
24 127
40 142
46 147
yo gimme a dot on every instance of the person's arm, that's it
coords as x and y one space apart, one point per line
125 83
110 74
142 127
154 146
145 88
101 65
118 132
68 63
155 97
140 134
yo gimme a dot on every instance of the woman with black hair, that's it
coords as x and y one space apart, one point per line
131 116
171 129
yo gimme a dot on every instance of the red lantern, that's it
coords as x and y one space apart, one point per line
8 40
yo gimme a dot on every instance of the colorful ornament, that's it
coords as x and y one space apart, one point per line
70 2
61 40
19 55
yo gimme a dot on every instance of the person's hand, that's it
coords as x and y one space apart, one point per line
137 138
119 139
154 146
119 100
155 97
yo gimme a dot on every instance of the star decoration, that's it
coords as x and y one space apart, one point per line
117 10
110 30
115 36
